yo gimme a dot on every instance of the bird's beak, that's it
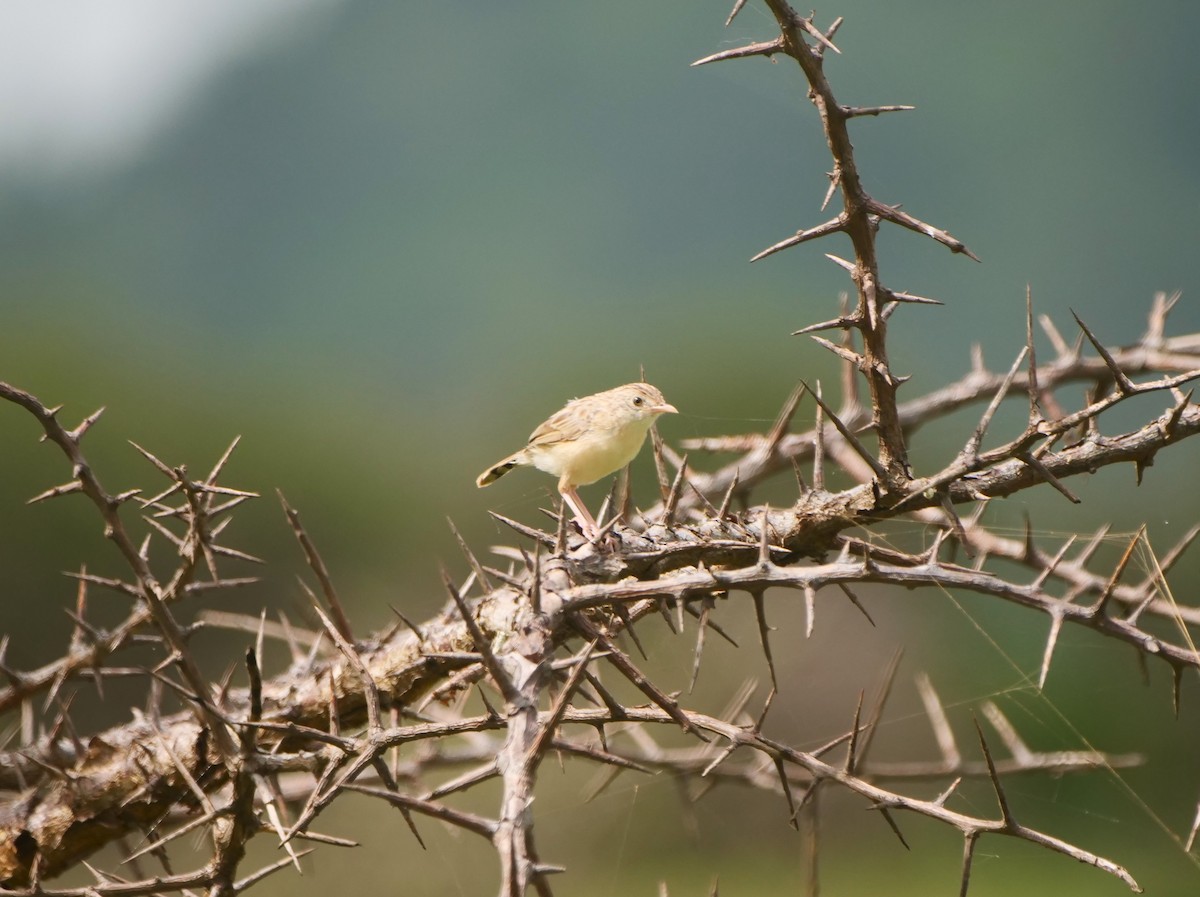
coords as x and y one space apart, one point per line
664 408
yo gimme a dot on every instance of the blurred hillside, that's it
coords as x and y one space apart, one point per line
383 250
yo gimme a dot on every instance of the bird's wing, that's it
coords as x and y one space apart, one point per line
567 424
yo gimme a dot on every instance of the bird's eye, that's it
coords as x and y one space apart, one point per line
639 401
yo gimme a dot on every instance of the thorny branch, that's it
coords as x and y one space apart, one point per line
535 632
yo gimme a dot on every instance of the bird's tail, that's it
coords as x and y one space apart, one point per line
496 471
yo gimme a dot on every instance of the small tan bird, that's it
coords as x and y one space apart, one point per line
588 439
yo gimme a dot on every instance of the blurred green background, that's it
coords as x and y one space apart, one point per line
382 241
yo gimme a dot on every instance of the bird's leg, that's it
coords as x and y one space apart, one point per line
586 522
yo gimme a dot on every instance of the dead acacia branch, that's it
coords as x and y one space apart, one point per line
529 641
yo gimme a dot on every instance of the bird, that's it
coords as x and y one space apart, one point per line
588 438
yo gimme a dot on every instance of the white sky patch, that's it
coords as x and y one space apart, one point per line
84 84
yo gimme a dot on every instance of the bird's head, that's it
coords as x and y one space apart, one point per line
640 402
